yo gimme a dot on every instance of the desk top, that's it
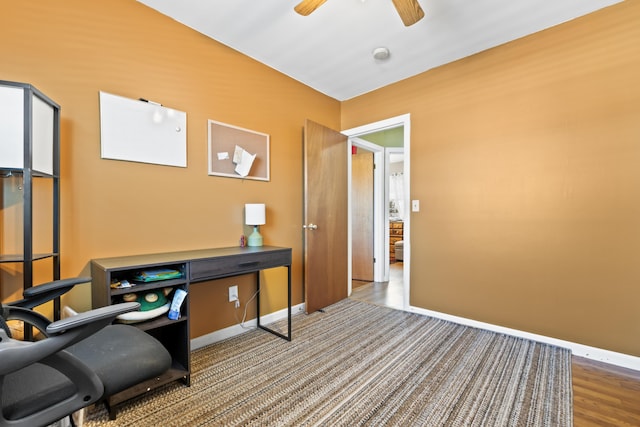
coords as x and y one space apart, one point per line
182 256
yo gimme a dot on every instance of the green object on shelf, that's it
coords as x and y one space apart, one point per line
157 274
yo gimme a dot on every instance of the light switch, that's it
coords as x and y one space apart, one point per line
415 206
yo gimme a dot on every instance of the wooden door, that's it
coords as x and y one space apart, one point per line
362 215
325 216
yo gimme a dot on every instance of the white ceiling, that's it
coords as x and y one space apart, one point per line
331 49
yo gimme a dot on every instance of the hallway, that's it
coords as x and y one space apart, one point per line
382 293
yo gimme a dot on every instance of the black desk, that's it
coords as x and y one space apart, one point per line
196 266
226 262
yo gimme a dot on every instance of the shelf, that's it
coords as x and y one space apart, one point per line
30 150
176 372
172 334
158 322
22 258
147 286
34 173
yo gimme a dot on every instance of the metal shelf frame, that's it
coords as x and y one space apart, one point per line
31 170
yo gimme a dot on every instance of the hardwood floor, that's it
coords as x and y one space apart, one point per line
388 293
603 394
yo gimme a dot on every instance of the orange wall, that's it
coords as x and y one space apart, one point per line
526 161
71 50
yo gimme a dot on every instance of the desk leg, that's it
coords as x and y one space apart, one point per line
288 336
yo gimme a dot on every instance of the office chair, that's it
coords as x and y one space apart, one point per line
79 360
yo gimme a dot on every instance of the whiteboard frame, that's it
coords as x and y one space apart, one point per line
142 131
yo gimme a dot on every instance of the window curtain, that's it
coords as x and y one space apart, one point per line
396 196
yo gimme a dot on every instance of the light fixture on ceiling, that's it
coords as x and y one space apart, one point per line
381 53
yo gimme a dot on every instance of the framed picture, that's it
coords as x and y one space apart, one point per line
235 152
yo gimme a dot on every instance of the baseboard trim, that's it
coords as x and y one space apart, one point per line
234 330
593 353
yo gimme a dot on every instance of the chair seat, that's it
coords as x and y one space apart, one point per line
118 367
33 389
79 361
122 366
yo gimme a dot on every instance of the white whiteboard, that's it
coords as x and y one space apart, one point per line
141 131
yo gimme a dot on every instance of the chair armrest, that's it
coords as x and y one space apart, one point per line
102 314
40 294
27 316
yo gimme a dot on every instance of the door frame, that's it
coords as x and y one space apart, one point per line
387 154
403 120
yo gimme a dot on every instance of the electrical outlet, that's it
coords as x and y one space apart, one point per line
233 293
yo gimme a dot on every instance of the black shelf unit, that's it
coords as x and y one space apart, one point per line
30 150
173 334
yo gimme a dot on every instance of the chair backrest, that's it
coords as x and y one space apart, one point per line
39 387
3 322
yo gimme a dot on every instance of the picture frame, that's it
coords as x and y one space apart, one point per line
236 152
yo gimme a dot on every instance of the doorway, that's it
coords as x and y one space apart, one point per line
383 213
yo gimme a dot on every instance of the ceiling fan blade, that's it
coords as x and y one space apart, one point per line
305 7
409 10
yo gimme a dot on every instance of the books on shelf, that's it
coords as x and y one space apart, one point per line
155 274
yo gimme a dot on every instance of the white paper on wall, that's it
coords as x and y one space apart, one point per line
243 161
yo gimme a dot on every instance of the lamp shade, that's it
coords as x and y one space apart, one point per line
254 213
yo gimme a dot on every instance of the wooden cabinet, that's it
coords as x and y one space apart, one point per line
396 229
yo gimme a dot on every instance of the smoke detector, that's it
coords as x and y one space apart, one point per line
381 53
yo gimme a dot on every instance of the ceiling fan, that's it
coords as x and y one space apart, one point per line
409 10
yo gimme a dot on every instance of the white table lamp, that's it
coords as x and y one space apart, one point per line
255 216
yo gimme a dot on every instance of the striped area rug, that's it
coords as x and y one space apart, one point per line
361 364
